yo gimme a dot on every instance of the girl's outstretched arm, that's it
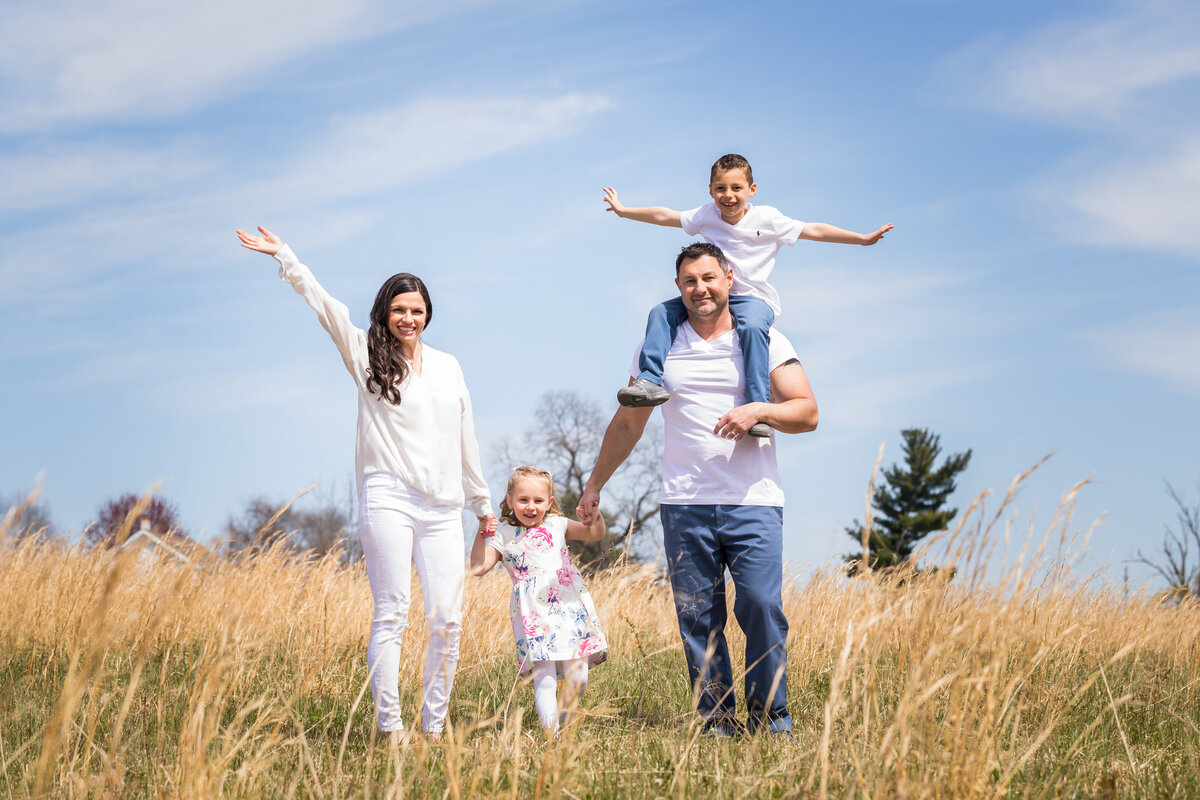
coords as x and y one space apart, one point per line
483 558
587 532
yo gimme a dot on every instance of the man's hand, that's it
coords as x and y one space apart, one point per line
614 203
268 243
589 506
487 525
736 423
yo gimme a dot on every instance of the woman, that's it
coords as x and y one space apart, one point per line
417 463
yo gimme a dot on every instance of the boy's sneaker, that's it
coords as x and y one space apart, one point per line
642 393
760 429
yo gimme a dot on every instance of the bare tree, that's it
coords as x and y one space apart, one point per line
116 519
1180 564
316 527
565 439
22 515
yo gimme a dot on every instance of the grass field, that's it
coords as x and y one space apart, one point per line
247 679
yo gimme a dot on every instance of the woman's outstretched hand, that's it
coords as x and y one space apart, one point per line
268 243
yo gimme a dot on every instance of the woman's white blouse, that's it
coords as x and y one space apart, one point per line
428 441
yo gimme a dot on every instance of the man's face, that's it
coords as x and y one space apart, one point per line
704 286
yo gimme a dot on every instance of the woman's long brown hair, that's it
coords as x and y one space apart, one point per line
387 365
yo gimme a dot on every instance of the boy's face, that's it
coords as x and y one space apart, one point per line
731 192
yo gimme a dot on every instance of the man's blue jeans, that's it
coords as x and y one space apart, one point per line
702 541
752 319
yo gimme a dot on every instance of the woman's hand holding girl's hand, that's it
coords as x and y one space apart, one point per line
488 525
268 243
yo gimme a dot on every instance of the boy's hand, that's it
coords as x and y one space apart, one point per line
614 203
872 238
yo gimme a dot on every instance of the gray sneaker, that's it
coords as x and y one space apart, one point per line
642 393
721 730
760 429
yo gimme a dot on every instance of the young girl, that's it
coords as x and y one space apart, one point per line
558 633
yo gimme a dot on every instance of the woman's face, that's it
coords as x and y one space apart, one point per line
406 317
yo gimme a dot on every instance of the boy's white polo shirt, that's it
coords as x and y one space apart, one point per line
706 381
750 246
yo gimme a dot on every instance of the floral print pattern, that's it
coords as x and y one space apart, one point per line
553 616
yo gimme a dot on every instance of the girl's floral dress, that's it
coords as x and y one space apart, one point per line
553 617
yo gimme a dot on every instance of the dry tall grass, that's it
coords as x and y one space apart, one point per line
248 679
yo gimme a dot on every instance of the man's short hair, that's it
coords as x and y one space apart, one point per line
731 161
699 250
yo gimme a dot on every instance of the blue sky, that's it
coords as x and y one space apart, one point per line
1041 163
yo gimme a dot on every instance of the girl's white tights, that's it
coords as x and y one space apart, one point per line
545 689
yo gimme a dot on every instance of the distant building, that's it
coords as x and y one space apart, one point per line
151 546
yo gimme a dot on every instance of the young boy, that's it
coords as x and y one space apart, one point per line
750 237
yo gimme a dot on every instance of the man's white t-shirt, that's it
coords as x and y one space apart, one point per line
706 381
750 246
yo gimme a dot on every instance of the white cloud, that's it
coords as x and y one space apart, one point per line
1164 346
1129 76
69 174
114 202
1092 70
383 150
65 61
1151 201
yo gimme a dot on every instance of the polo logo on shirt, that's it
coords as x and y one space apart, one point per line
758 233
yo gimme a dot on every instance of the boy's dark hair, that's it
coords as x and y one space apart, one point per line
731 161
699 250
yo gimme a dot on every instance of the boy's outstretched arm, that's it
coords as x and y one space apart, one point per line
655 215
824 232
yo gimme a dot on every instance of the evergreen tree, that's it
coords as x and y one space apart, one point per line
909 502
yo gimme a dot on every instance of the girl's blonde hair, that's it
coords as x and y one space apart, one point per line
506 512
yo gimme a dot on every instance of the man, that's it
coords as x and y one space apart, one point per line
721 501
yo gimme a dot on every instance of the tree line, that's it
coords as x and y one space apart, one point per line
910 502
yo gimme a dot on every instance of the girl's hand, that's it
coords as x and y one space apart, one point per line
487 525
268 243
589 506
614 203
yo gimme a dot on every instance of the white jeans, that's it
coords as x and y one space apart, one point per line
401 527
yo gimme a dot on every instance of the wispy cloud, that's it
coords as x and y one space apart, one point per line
184 190
1164 347
1128 77
65 62
69 174
380 150
1150 201
1094 70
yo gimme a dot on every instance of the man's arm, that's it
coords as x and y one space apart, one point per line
622 435
655 215
792 409
824 232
